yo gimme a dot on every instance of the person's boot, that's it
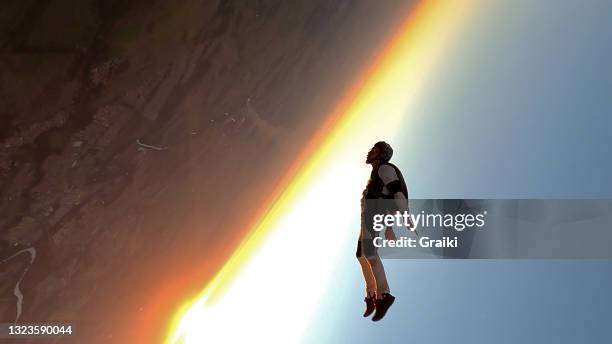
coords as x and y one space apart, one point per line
370 305
382 306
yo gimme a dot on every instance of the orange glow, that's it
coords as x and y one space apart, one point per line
390 87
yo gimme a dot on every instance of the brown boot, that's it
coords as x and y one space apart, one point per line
382 306
370 306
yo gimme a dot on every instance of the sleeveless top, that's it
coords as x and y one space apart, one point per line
376 184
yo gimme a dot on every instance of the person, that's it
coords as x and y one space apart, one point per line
386 182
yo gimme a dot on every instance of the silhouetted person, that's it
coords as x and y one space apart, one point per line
386 182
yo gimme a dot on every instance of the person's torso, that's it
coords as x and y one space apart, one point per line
375 188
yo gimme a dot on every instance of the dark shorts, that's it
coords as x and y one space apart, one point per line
366 248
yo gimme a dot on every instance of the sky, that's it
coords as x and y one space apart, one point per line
480 99
518 107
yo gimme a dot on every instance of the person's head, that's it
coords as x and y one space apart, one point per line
381 152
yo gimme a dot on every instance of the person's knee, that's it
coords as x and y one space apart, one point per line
373 261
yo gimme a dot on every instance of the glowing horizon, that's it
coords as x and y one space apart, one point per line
233 306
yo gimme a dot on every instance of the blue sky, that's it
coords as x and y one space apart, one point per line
519 108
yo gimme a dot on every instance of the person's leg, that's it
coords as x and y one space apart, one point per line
370 282
368 275
384 299
366 269
378 271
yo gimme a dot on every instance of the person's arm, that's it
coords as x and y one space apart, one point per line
390 178
391 181
402 203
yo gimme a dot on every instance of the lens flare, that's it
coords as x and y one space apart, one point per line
270 287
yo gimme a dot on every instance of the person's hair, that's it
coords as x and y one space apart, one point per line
385 152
